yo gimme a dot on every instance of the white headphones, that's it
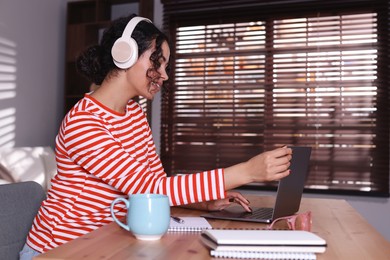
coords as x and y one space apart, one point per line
125 49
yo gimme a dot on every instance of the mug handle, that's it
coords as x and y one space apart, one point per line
120 223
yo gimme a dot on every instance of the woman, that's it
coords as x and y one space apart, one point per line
105 150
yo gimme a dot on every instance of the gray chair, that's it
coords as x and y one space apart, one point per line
19 203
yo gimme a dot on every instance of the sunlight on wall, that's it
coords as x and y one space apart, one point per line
7 91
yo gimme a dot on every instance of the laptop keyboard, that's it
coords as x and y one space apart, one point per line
260 213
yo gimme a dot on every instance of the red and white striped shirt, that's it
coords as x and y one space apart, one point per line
102 155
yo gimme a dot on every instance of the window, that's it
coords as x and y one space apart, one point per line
146 106
250 82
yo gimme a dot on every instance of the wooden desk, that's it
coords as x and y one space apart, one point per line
348 236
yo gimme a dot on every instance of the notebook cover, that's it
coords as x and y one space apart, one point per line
190 224
263 240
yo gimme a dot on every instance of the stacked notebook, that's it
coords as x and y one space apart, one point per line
263 244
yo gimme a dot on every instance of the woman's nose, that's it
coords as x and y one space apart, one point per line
164 75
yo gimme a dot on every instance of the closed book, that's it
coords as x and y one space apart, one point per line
287 241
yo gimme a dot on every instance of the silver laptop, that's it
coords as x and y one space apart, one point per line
288 196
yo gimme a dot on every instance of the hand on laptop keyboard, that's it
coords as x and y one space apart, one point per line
231 197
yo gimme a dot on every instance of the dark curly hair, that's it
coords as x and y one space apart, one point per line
95 63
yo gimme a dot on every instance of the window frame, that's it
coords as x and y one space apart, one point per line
175 16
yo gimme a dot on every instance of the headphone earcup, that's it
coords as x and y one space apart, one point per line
124 52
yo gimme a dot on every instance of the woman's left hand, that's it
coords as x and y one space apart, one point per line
232 197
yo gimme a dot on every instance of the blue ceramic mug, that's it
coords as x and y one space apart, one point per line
148 215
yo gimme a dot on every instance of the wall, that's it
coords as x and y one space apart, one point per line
32 44
31 100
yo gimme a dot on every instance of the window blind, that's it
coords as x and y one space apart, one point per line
146 106
250 83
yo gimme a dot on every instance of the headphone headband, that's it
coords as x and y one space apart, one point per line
125 49
132 24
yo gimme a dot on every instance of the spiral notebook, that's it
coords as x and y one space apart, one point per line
190 224
264 255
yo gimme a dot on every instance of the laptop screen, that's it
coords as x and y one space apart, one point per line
290 188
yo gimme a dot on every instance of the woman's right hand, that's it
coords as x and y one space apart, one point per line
268 166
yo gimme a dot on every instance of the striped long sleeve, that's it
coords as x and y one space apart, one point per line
102 155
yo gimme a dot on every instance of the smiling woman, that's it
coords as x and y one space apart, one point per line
105 148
